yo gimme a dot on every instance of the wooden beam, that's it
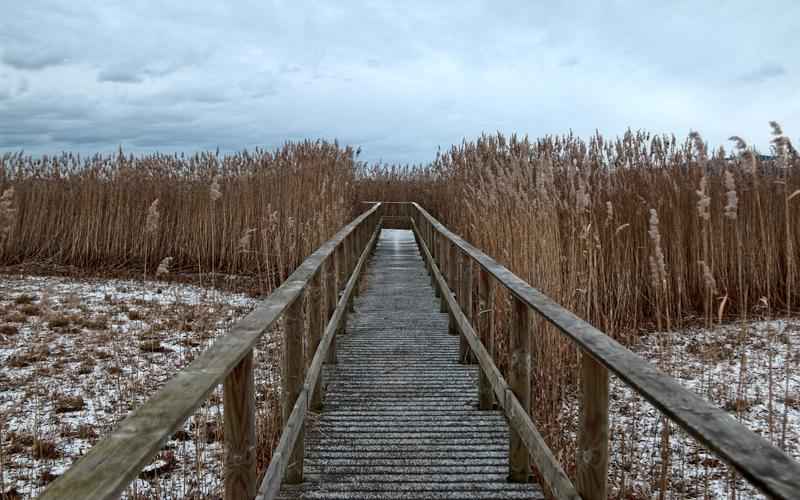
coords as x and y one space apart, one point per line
519 378
464 353
453 276
240 431
445 266
553 476
330 302
117 459
485 325
315 326
592 453
292 431
292 381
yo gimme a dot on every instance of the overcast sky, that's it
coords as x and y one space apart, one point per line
397 78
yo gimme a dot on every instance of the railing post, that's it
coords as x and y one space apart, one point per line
485 322
443 268
292 380
315 328
464 352
453 276
330 302
341 278
240 431
350 249
592 459
520 382
434 248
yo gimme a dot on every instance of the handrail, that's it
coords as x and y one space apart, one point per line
554 476
110 466
765 466
271 483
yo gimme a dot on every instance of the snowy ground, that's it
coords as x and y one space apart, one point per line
752 372
77 355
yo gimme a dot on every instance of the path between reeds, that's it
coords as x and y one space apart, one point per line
400 417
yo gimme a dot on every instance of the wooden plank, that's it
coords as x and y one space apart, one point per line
111 464
435 258
315 326
444 266
485 325
554 477
592 459
519 379
394 464
330 302
240 431
453 277
765 466
466 305
293 429
292 381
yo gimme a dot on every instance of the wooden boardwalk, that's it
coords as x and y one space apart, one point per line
400 415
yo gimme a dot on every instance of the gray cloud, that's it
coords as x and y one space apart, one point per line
118 75
32 60
764 72
398 80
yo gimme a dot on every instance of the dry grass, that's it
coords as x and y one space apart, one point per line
634 234
126 212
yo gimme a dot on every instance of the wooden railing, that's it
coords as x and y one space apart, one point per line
458 271
114 462
451 261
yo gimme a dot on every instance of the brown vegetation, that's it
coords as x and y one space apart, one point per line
254 212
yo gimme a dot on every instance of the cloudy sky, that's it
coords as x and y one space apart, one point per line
397 78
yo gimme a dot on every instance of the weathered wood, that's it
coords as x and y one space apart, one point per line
293 430
519 379
292 380
107 469
445 266
485 326
396 421
330 302
240 431
466 305
592 453
434 246
769 469
453 277
316 324
549 469
350 252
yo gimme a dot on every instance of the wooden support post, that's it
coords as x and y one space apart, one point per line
240 431
464 352
330 303
453 277
360 242
485 324
316 326
341 278
519 380
352 259
434 248
592 459
292 380
443 267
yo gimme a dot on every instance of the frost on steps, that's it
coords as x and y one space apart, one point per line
400 417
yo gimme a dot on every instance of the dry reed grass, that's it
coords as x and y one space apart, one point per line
132 212
639 233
